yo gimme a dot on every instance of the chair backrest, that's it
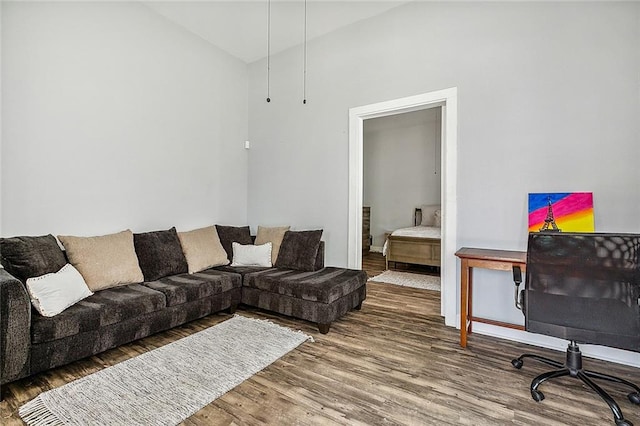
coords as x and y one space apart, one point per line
584 287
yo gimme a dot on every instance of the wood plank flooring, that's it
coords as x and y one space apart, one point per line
392 363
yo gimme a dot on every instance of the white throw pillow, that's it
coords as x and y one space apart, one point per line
55 292
250 255
428 214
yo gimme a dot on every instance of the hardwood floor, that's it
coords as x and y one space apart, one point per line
393 362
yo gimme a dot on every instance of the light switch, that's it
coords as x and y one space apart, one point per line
247 145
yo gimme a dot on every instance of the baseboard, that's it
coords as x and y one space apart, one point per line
604 353
375 249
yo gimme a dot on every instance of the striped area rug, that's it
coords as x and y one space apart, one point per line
167 385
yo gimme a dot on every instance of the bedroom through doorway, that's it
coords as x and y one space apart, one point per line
401 174
447 99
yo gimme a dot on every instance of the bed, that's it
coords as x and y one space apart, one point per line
420 244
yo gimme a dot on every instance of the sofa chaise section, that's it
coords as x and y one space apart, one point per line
320 296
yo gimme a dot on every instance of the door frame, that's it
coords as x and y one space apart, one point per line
448 100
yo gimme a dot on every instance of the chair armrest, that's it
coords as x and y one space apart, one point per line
15 328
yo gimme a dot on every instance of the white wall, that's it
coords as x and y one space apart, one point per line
401 157
548 100
115 118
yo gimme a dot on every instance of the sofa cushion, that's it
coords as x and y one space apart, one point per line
179 289
104 308
104 261
230 234
299 250
28 257
53 293
251 255
160 254
325 285
202 249
272 235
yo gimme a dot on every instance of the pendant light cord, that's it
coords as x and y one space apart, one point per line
269 52
304 65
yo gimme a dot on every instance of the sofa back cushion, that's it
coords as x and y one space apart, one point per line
104 261
299 250
28 257
272 235
160 254
233 234
202 249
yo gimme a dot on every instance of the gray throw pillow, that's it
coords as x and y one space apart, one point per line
160 254
233 234
29 257
299 250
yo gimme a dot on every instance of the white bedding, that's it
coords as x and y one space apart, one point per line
415 231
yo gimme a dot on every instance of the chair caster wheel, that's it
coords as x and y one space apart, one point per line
623 422
517 363
537 395
634 397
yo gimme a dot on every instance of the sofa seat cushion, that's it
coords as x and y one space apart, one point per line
184 288
104 308
324 286
242 270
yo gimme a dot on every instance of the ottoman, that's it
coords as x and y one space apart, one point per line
320 296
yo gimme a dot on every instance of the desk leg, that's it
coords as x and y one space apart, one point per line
464 301
470 299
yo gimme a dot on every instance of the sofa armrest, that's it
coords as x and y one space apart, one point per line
15 328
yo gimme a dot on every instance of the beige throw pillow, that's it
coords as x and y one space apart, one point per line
104 261
203 249
271 235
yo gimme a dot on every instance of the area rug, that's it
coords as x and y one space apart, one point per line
427 282
168 384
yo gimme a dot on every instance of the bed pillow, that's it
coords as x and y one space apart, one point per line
27 257
104 261
230 234
202 249
160 254
252 255
53 293
299 250
437 218
272 235
428 214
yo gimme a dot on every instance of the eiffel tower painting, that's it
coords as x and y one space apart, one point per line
561 212
549 221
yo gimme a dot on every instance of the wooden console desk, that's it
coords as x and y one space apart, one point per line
501 260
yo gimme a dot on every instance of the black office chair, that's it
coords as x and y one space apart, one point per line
583 288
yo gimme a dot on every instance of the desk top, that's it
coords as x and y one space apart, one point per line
490 254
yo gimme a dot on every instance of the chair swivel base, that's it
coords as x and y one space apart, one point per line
573 368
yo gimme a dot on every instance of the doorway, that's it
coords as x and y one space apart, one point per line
447 99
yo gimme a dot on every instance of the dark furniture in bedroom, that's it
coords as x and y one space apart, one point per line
584 288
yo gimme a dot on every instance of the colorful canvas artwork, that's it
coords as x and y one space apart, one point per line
561 212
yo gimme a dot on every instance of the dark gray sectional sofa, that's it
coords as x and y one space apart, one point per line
31 343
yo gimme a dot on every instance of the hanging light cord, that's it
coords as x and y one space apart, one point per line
269 52
304 66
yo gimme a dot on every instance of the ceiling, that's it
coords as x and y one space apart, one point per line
240 27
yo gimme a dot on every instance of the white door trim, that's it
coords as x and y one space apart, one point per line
448 99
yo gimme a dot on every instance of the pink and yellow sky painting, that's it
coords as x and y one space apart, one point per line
573 211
